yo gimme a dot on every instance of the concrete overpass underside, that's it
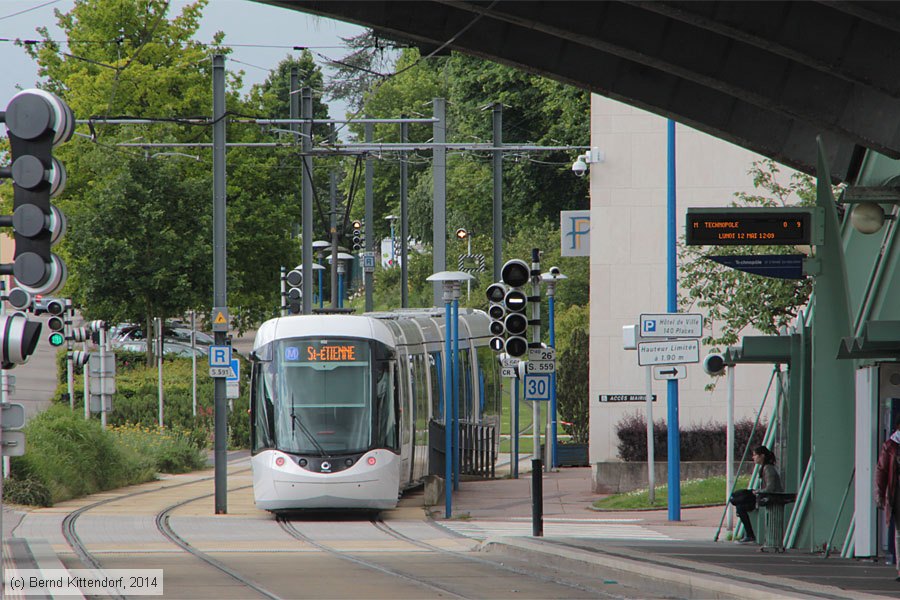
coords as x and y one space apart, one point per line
768 76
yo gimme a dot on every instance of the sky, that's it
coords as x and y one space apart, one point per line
243 22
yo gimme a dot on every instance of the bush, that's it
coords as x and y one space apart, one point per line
572 387
137 398
72 457
26 491
699 442
171 450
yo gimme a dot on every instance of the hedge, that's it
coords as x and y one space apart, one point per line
699 442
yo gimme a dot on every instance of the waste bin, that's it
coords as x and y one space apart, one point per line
771 505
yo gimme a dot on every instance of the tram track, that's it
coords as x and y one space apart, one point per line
385 528
291 530
90 560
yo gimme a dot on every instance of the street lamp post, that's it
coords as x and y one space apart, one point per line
342 259
392 219
450 281
550 280
319 248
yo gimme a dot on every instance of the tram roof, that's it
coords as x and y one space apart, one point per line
323 325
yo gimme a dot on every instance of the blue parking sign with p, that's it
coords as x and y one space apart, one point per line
649 325
220 356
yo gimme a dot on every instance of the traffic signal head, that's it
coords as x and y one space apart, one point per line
37 121
357 236
516 346
515 273
19 336
294 279
80 358
20 299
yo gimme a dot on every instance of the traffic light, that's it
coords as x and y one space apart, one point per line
57 322
19 337
294 279
515 274
79 358
36 121
496 292
358 239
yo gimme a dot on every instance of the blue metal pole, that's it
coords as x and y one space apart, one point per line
674 434
553 419
321 294
340 301
448 420
455 393
515 428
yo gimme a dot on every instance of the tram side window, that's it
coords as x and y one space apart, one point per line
487 361
437 386
263 410
465 385
386 399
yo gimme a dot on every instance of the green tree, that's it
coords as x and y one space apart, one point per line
737 300
572 386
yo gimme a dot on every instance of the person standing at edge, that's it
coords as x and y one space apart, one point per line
886 473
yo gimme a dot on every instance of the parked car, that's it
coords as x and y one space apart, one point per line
169 347
182 335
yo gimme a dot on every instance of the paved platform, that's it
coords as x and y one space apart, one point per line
493 517
645 544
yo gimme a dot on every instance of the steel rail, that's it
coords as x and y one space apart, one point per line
289 528
163 525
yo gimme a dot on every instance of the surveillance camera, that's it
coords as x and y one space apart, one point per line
579 167
554 271
714 364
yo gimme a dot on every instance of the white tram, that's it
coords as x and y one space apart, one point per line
341 406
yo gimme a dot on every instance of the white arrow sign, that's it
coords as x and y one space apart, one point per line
670 352
669 372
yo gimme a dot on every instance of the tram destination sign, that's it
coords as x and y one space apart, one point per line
669 352
749 227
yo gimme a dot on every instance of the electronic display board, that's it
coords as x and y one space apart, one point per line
771 228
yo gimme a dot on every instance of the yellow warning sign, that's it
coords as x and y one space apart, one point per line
220 318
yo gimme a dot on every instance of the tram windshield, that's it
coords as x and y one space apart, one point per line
323 392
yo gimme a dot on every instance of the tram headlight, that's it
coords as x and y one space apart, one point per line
279 462
371 461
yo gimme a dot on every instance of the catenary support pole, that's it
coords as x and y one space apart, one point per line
294 110
220 297
335 283
369 277
514 405
729 448
651 471
404 219
306 112
497 158
448 393
455 325
439 191
551 318
674 434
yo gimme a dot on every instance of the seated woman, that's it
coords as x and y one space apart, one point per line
744 501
